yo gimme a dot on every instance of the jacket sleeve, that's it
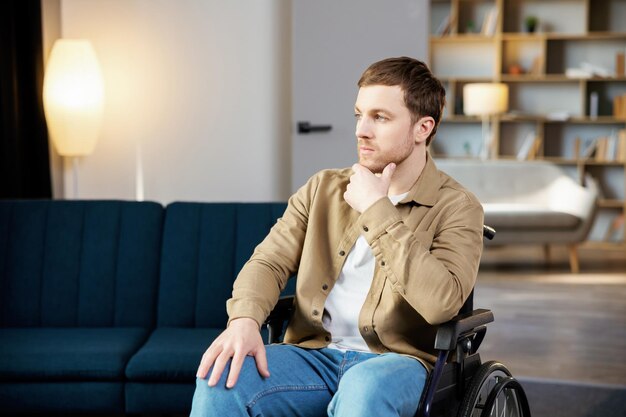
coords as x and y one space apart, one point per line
275 259
434 276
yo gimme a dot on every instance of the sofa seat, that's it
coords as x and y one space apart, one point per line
171 354
67 354
522 216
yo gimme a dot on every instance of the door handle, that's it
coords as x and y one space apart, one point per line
306 127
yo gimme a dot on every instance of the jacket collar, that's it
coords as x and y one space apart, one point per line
426 188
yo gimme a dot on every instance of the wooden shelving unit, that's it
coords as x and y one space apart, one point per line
545 99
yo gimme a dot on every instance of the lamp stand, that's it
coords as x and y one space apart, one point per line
485 149
75 176
139 193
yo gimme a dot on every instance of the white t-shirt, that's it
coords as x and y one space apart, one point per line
344 303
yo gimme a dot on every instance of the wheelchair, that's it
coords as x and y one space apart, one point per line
459 385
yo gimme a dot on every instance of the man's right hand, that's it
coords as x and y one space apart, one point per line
242 338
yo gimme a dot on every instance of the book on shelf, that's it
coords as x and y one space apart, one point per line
530 147
619 107
611 148
444 26
601 148
588 149
621 146
615 231
490 22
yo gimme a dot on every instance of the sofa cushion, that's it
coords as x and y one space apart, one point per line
67 354
171 354
204 247
62 398
79 263
524 216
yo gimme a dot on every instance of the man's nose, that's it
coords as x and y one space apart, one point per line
363 128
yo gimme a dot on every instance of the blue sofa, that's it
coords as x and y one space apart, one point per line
107 306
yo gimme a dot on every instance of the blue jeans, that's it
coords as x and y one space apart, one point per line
315 383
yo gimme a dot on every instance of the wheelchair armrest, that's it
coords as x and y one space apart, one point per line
282 310
278 316
448 333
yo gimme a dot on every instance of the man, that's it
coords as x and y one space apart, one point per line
384 251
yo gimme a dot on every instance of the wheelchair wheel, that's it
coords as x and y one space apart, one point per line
493 392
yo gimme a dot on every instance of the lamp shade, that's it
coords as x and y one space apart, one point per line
483 99
73 96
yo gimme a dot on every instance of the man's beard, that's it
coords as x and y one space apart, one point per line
396 156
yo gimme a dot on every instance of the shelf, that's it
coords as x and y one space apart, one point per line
591 162
462 38
547 109
600 120
561 160
588 36
599 244
465 79
611 203
462 119
551 78
543 78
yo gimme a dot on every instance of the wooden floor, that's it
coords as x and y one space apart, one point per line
551 324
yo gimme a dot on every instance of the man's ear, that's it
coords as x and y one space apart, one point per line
422 128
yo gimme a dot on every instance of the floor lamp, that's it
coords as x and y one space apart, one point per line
73 98
485 100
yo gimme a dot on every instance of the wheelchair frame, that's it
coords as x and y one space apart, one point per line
459 385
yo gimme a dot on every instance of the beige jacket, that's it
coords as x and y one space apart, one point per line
427 251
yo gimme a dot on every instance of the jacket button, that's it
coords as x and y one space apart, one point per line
365 228
366 329
382 263
324 287
315 312
341 253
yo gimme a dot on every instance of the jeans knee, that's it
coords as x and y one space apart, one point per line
215 401
381 387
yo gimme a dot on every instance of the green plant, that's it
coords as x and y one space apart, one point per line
531 23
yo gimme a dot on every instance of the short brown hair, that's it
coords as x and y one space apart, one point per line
424 94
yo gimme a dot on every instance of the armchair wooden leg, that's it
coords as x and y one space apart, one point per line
546 253
573 259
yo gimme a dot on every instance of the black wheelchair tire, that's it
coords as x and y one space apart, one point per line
482 384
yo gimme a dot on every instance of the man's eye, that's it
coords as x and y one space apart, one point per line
357 116
380 117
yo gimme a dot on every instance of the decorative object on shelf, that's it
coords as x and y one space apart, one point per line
73 96
515 69
470 27
593 105
485 100
530 23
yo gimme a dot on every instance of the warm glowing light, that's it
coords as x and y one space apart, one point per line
482 99
73 95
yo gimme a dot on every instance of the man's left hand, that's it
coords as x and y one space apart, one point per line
365 188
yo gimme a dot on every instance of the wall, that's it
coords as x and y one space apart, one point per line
202 87
333 42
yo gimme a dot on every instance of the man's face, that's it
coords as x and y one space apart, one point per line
383 127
